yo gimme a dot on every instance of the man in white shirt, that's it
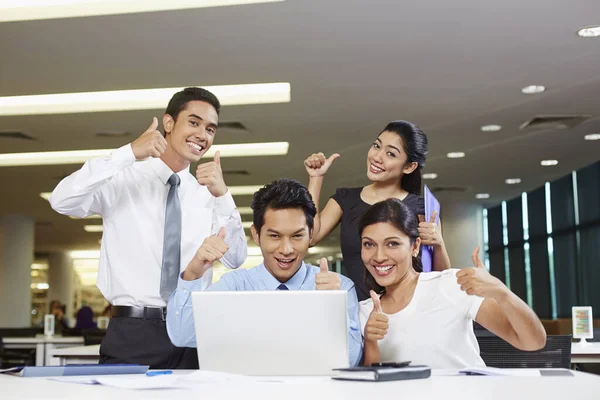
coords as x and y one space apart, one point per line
157 217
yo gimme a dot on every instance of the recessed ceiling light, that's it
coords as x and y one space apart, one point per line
589 31
491 128
430 175
50 9
93 228
482 196
592 136
140 99
533 89
513 181
456 154
81 156
548 163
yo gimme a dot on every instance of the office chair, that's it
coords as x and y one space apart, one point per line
93 336
495 352
16 357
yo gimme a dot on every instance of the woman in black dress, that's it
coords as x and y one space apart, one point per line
394 164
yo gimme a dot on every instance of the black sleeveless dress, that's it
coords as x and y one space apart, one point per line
353 207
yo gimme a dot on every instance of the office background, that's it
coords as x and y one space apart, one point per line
506 92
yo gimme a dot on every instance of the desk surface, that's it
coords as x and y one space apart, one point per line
44 339
588 348
581 385
77 351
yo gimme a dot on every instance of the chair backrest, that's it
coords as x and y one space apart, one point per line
20 332
498 353
93 336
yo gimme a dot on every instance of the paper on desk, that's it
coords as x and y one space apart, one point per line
140 382
134 382
490 371
84 380
203 376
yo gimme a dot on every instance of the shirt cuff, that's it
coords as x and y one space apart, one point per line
123 156
225 204
196 285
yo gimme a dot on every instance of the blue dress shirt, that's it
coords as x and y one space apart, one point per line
180 320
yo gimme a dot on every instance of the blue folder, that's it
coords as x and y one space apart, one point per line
77 370
431 204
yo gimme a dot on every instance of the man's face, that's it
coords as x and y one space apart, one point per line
284 240
192 134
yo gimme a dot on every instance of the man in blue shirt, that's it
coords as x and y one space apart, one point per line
283 224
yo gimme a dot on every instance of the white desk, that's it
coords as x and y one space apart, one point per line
581 385
587 353
76 355
43 345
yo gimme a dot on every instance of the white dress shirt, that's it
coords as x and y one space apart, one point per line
435 328
131 198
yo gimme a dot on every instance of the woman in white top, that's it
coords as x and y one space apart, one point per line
428 318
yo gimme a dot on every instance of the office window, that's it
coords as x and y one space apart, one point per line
516 253
546 244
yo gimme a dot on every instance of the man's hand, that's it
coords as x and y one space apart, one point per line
317 165
210 175
212 249
377 325
150 143
478 281
325 279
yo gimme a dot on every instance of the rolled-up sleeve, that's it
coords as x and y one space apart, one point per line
180 316
226 215
355 344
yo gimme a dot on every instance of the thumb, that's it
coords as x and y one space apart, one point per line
332 158
222 233
376 302
217 158
323 265
433 216
153 125
476 260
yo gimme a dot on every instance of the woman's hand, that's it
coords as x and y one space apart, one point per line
317 165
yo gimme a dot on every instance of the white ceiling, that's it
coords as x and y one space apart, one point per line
449 67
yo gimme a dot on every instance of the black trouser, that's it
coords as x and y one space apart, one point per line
145 342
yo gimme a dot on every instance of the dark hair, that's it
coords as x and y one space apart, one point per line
397 213
180 100
414 143
282 194
85 318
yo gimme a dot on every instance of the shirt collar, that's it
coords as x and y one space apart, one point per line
163 171
272 283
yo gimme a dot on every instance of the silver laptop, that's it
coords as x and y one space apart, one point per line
272 333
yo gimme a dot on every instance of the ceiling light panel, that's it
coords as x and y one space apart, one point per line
140 99
27 10
81 156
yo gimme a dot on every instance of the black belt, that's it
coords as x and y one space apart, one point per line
139 312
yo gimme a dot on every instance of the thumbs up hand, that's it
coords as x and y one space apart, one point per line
151 143
213 248
325 279
429 231
377 325
317 165
210 174
478 281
